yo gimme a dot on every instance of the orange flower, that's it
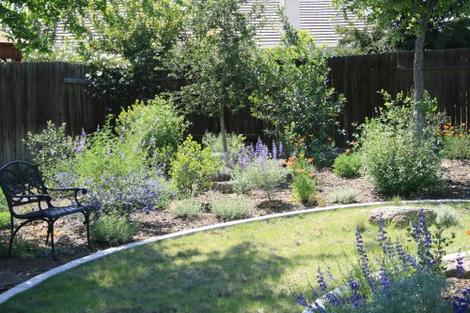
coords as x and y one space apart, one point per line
468 232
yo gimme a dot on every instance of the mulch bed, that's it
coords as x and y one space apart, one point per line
34 257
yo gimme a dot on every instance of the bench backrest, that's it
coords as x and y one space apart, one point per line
19 179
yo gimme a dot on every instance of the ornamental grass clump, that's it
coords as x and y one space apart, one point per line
232 208
187 208
257 168
344 196
394 280
113 228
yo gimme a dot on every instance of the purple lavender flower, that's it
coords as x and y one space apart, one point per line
459 266
81 142
461 304
384 241
321 281
355 299
384 279
281 150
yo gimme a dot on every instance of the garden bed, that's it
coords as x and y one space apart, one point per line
31 256
256 267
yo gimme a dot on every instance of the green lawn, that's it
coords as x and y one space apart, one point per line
255 267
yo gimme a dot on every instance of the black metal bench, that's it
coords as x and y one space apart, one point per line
23 185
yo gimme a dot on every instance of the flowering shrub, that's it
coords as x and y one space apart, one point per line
456 142
193 168
401 282
140 190
347 165
393 157
258 169
153 127
51 147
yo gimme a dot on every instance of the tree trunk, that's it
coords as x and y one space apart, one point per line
418 76
223 131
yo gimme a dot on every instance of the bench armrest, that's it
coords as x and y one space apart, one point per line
76 191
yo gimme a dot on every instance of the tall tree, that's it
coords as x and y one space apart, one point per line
32 24
217 58
413 18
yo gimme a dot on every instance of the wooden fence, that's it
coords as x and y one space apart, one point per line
33 93
360 78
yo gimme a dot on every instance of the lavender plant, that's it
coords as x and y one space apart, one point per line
258 168
402 284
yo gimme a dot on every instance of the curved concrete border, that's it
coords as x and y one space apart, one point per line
100 254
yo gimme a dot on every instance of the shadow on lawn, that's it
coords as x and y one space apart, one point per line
157 279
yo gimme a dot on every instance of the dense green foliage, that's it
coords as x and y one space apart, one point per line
50 148
113 229
130 52
153 127
4 219
32 24
448 34
347 165
216 58
294 98
232 208
395 160
193 168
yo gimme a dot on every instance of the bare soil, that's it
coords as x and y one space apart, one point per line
31 256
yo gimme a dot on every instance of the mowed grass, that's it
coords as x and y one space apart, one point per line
257 267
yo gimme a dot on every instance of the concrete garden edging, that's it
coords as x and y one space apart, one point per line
33 282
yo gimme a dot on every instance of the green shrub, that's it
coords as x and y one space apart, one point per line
193 168
4 219
113 228
347 165
50 148
446 217
230 208
153 127
294 99
344 196
187 208
456 146
397 161
304 187
107 156
235 142
264 174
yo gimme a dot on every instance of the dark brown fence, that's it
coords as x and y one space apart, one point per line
33 93
359 78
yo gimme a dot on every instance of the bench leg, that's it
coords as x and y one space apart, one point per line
50 229
87 225
12 236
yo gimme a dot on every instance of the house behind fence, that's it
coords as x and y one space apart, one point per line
33 93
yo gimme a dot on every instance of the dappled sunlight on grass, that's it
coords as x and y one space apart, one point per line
255 267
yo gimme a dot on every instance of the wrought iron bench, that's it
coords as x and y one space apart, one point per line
23 185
